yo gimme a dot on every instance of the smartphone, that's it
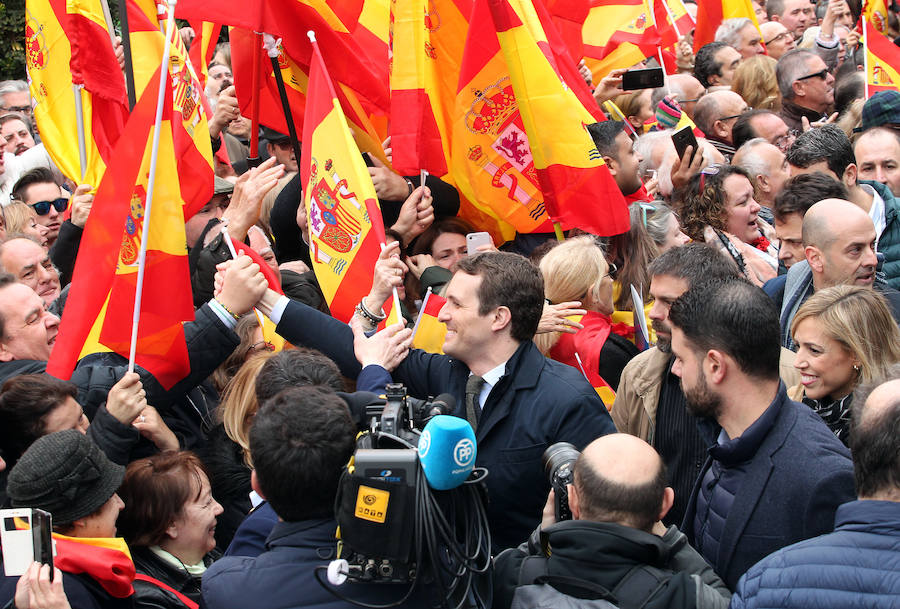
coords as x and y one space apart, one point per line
648 78
26 536
476 240
683 138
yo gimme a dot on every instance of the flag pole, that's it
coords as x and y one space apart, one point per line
79 123
253 159
271 46
107 17
151 180
671 18
866 51
126 46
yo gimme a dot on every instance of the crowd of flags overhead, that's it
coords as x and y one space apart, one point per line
484 94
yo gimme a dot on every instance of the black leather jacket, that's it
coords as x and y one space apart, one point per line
151 596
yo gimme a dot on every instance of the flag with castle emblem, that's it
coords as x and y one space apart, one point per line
578 189
345 226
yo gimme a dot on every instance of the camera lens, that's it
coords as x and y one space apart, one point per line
557 455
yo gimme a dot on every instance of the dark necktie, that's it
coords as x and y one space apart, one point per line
473 407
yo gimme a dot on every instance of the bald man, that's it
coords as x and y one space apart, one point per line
777 38
692 91
617 500
716 114
839 246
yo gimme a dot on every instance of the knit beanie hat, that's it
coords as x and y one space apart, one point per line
668 113
65 474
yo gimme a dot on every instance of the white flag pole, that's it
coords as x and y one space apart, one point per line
154 153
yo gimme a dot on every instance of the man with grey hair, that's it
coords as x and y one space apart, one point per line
715 115
690 91
807 88
15 97
741 34
768 166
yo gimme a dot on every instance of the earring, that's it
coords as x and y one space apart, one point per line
856 368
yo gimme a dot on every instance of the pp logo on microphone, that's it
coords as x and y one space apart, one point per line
464 452
424 443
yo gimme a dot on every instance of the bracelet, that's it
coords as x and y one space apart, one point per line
410 184
226 309
362 310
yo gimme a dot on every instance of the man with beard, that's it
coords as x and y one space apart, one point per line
775 474
620 157
649 401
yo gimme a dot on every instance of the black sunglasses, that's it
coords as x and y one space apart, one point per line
823 75
42 208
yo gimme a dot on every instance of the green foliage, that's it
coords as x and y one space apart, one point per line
12 33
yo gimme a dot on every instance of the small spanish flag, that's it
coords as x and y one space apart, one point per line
428 333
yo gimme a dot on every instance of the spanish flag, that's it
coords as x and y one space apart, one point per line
296 82
67 43
345 225
618 34
876 13
711 14
190 131
578 188
203 49
429 332
415 134
98 313
882 61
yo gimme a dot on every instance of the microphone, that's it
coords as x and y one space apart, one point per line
447 451
445 403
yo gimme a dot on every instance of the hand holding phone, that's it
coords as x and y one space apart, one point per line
648 78
476 240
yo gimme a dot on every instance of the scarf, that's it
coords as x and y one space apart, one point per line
106 560
835 413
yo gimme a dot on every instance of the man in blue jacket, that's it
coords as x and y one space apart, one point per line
858 564
518 401
775 473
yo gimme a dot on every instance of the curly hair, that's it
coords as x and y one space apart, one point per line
707 207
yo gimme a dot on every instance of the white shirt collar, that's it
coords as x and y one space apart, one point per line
490 379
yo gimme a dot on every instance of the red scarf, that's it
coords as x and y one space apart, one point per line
762 244
587 343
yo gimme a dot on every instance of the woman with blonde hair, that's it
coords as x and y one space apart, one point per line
20 219
755 81
845 336
636 107
576 270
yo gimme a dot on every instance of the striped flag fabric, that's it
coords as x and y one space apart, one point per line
203 49
577 186
429 332
345 226
618 34
882 61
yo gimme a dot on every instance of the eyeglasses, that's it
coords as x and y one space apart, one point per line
19 109
823 75
687 101
612 270
708 171
728 118
42 208
780 36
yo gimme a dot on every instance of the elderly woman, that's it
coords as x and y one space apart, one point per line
718 205
169 522
845 336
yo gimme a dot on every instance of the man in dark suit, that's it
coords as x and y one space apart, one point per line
518 401
775 474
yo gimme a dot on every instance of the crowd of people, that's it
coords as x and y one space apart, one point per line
728 368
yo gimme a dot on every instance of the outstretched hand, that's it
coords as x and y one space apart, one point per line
386 348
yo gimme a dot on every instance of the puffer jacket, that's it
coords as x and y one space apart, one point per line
856 566
889 241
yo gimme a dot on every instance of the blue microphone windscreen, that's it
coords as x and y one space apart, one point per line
447 451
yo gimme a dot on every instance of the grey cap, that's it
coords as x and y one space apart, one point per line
223 187
65 474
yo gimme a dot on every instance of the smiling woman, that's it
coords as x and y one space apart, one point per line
845 336
169 523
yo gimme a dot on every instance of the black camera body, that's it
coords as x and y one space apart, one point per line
559 465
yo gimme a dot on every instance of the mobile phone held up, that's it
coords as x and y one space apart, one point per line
476 240
26 536
683 138
648 78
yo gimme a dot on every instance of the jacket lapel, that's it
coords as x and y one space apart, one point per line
522 372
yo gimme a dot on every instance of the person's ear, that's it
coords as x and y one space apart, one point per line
5 354
667 501
254 484
797 88
815 258
612 165
851 174
574 502
502 318
715 366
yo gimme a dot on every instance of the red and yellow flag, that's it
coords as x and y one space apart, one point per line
618 34
577 186
203 49
345 225
333 20
98 314
429 332
568 18
67 43
415 134
190 131
876 13
882 61
711 14
296 82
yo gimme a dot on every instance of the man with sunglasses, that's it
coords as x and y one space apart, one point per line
807 88
38 189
